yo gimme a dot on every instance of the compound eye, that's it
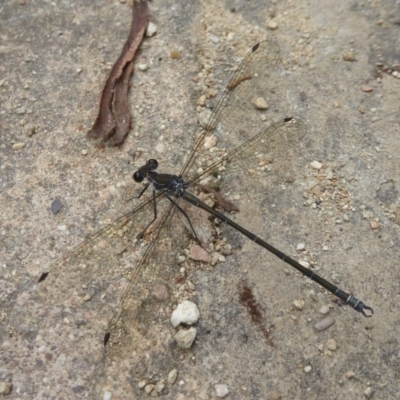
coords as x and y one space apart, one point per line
137 177
152 164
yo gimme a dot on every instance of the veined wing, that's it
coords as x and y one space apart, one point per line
140 337
238 115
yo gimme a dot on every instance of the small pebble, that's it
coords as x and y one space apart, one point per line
325 248
275 395
141 384
29 129
20 110
175 54
331 344
204 117
143 67
87 297
197 253
316 165
172 376
202 100
221 390
350 375
5 387
272 25
84 152
149 388
349 56
307 369
299 304
18 146
214 38
324 324
261 104
300 246
160 147
185 338
186 313
151 29
329 173
159 386
210 142
107 395
324 310
56 206
305 264
160 292
368 392
374 225
367 89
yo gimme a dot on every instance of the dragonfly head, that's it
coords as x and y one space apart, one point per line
143 172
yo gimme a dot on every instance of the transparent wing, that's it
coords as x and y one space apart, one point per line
83 288
150 286
241 111
249 166
140 337
112 251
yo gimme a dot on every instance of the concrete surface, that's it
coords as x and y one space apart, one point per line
54 60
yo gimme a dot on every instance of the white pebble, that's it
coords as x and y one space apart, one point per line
316 165
261 104
368 392
107 396
221 390
324 310
149 388
299 304
186 312
214 38
160 147
160 385
143 67
272 25
172 376
185 338
308 369
301 246
210 142
141 384
305 264
18 146
151 29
